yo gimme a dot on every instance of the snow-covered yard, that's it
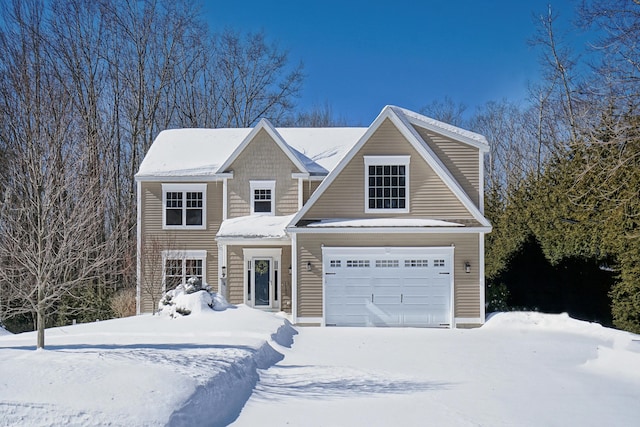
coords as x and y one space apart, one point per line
240 366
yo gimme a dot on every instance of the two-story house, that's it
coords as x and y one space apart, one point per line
336 226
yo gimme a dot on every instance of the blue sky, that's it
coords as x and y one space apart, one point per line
362 55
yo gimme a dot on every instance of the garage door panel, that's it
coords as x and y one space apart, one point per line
388 286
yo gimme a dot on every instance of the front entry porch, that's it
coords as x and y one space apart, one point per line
259 277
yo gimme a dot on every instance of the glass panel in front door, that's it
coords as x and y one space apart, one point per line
262 271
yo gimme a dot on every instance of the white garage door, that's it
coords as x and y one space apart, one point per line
388 286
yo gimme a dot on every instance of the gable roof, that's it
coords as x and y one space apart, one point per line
298 159
403 120
201 153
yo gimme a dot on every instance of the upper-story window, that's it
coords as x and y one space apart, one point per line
184 206
386 183
263 197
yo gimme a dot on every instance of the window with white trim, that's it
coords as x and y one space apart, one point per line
184 206
386 183
180 266
262 197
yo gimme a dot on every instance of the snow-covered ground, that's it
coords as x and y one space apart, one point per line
238 365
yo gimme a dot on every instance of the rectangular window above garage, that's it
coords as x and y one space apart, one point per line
386 184
184 206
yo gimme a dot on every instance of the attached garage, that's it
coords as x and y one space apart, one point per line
388 286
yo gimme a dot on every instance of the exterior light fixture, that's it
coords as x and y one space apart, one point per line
467 267
224 271
308 265
289 269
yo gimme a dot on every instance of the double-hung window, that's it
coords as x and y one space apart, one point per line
181 266
386 184
184 206
262 197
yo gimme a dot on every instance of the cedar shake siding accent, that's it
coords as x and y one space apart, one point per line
153 236
236 273
262 159
429 196
466 285
461 159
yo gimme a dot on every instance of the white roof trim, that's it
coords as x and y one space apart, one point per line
263 241
387 230
396 115
267 126
183 178
453 132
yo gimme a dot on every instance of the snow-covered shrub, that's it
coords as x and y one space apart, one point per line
193 297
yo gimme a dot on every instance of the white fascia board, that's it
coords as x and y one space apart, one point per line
264 241
436 164
387 230
183 178
268 127
446 129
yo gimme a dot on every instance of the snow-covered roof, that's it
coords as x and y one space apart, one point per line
455 132
384 222
201 152
254 226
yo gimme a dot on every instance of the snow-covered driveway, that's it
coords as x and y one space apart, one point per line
521 369
238 366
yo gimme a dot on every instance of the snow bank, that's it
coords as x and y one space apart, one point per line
3 331
550 322
143 370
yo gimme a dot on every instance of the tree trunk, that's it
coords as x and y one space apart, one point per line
40 321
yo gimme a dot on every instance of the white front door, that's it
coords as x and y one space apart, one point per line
262 283
262 277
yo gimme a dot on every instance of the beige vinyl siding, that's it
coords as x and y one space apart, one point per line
460 159
262 159
236 271
235 275
156 239
466 285
429 196
308 188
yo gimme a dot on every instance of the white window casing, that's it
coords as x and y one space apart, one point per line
184 203
186 264
386 184
263 197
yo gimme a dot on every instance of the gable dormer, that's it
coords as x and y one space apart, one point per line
266 171
393 172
